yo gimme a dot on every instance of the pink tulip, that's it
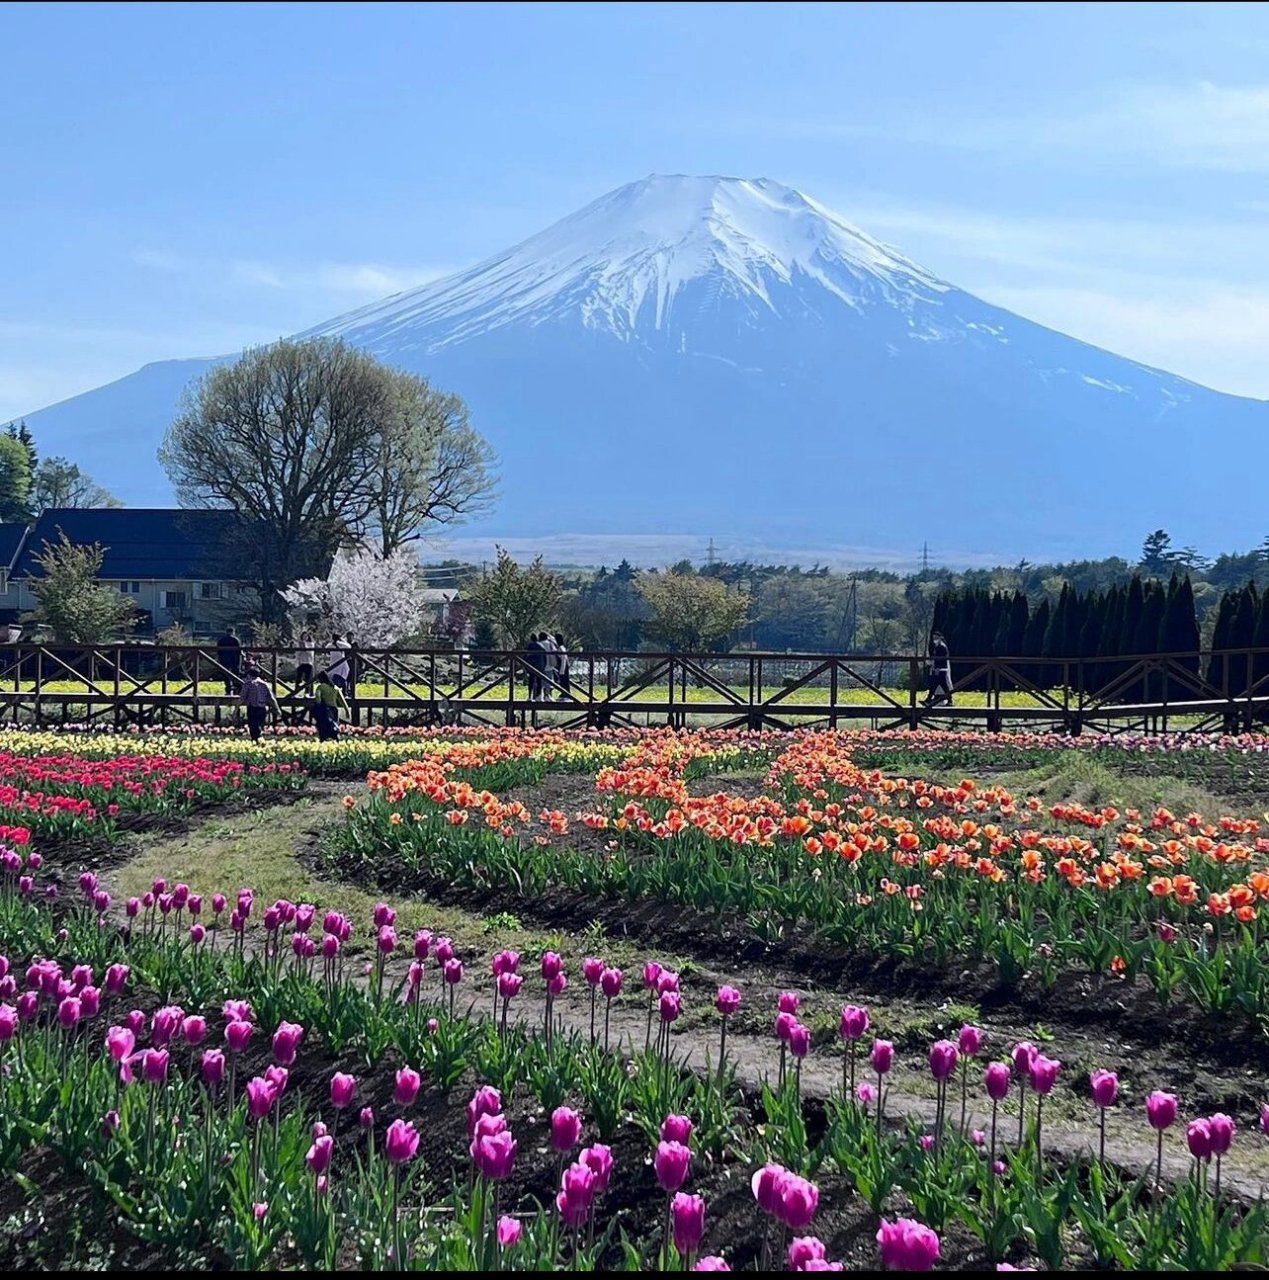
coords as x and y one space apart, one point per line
676 1129
598 1159
238 1011
784 1024
69 1012
197 934
907 1245
1264 1119
453 972
401 1142
1198 1137
997 1078
213 1067
882 1056
866 1093
789 1002
855 1022
667 981
116 979
566 1129
926 1141
799 1040
238 1036
671 1006
766 1184
387 941
443 948
798 1201
552 965
610 983
494 1155
261 1095
342 1087
970 1041
422 944
944 1056
1105 1087
671 1163
384 916
277 1077
557 985
804 1249
154 1064
687 1215
1023 1054
1161 1109
195 904
1044 1074
320 1153
1223 1130
408 1084
366 1118
712 1262
487 1126
486 1101
651 973
194 1030
9 1023
219 903
120 1043
509 1231
592 970
165 1024
727 1001
576 1195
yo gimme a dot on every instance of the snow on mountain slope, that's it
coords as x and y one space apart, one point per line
730 356
622 262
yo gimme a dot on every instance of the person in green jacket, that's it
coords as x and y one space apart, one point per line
328 702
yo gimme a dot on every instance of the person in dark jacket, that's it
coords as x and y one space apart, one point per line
940 671
535 660
229 655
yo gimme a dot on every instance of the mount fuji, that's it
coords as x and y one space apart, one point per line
729 358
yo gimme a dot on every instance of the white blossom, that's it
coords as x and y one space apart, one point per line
375 598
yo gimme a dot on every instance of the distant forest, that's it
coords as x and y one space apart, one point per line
1168 600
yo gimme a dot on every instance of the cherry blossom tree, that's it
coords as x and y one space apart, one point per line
377 599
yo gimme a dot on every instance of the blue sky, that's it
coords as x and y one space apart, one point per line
187 179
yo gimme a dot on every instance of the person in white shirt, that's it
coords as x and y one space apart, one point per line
305 660
337 665
552 665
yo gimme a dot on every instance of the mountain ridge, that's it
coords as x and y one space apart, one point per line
638 362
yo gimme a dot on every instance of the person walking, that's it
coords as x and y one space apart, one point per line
305 661
258 698
550 673
229 656
940 671
535 661
561 666
328 702
337 664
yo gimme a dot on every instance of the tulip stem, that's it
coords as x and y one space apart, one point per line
964 1093
1022 1112
1158 1168
1101 1145
1039 1147
592 1016
607 1011
722 1050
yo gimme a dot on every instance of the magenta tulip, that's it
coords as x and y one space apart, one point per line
907 1245
154 1064
401 1142
238 1036
1044 1074
120 1042
342 1087
671 1164
494 1155
320 1153
1198 1137
687 1215
1105 1087
855 1022
610 983
509 1231
789 1002
407 1089
194 1030
804 1249
1223 1130
213 1067
592 970
712 1262
727 1001
598 1159
996 1077
261 1095
566 1129
882 1056
1161 1109
943 1059
798 1202
970 1041
651 973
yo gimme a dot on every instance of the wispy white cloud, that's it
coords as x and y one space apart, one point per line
343 281
1194 125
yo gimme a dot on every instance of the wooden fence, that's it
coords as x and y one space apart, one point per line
130 685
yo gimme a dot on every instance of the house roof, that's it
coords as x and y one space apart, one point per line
142 543
11 536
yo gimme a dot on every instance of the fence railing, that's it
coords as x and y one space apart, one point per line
134 684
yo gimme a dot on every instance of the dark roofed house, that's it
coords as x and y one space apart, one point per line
176 566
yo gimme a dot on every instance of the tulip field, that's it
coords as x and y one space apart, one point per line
194 1076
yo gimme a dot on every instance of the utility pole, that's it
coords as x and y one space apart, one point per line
925 557
709 553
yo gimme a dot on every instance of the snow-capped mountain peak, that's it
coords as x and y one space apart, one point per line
621 263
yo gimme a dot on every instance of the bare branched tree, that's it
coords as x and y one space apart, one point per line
316 445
